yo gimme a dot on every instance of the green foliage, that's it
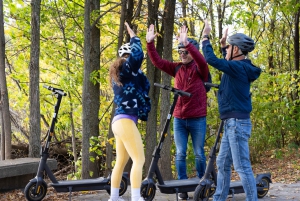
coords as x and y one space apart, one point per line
76 175
275 94
275 113
95 146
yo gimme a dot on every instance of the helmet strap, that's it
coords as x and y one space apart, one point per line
236 56
231 52
231 57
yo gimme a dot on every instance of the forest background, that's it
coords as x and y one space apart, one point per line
69 44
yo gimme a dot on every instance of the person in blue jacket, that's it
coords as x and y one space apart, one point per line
234 100
131 88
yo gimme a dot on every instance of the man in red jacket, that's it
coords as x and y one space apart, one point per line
190 112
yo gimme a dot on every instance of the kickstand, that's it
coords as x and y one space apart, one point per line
70 193
232 194
176 194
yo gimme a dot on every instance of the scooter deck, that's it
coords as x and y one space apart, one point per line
179 186
81 185
236 187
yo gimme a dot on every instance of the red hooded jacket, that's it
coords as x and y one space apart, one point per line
188 78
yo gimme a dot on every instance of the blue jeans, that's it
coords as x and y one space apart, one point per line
235 150
197 128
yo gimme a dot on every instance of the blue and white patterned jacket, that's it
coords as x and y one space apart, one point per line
132 98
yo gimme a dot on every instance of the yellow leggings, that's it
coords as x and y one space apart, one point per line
128 144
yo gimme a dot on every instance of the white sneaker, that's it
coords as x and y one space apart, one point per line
119 199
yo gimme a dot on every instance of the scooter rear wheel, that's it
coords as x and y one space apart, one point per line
30 194
147 196
199 194
123 187
265 183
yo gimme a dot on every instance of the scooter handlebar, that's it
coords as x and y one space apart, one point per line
211 84
55 90
166 87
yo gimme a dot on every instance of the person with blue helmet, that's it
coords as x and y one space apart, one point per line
190 112
234 100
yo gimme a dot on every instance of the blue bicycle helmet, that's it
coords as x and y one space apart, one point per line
242 41
195 43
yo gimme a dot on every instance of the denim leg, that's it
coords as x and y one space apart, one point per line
224 161
197 129
235 149
181 139
241 156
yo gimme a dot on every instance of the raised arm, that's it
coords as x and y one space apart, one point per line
197 56
129 30
162 64
137 55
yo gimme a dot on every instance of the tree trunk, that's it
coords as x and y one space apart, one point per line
184 4
4 102
296 40
94 89
192 23
154 75
212 18
90 95
221 12
86 99
73 133
168 26
2 134
34 91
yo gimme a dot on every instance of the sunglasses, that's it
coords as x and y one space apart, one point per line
227 46
185 52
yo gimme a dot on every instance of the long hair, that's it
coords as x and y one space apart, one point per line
114 71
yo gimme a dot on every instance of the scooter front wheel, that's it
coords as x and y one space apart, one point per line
150 195
123 186
201 195
30 189
265 185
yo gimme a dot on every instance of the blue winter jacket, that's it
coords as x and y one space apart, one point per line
132 98
234 97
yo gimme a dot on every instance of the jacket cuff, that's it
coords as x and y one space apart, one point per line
205 42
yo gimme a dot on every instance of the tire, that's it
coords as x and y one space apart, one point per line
265 183
30 188
199 194
150 196
123 186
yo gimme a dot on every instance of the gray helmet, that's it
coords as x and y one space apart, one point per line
195 43
244 42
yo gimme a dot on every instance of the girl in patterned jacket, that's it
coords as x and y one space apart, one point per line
131 88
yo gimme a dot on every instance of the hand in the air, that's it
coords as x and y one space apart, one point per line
207 28
183 36
224 38
150 36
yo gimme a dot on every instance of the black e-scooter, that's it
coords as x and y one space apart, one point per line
208 182
148 186
36 189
